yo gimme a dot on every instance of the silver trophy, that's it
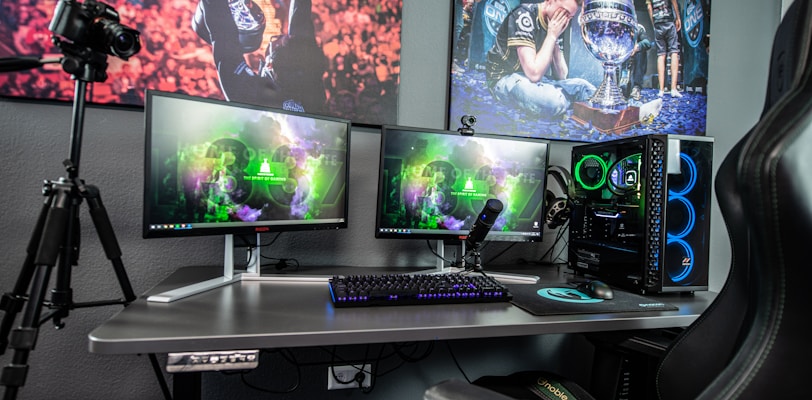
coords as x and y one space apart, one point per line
608 28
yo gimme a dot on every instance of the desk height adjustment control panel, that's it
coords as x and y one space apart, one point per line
212 360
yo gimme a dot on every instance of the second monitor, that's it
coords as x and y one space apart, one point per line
433 184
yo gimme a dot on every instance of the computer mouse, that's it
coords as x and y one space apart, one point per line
596 290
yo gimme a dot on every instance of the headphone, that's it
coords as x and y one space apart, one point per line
558 209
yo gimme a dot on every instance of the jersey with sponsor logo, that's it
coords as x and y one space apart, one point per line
522 27
661 11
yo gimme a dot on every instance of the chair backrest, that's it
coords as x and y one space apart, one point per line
726 352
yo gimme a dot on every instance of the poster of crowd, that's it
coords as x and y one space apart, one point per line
333 57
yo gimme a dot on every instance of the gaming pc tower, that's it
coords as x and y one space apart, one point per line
641 212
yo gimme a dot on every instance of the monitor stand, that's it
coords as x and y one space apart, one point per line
229 276
504 277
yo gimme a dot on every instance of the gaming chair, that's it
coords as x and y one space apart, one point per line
750 342
725 327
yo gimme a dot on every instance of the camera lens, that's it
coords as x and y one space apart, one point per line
116 39
121 41
125 44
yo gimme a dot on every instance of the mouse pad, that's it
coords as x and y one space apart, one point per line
562 299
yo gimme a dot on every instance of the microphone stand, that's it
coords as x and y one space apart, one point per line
477 264
475 237
56 235
504 277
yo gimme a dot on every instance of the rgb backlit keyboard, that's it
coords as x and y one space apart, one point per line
406 289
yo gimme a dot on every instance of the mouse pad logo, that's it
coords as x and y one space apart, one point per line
566 295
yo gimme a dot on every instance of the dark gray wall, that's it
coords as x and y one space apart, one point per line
35 139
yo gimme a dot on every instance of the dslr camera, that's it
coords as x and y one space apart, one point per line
95 25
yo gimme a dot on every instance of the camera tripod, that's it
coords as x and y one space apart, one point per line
56 237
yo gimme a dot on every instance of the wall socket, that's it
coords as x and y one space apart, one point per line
346 373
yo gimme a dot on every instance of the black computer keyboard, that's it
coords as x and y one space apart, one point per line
405 289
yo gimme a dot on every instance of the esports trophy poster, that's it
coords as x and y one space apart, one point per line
332 57
600 78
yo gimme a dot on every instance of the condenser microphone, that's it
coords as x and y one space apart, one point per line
484 222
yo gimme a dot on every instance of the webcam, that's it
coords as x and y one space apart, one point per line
468 122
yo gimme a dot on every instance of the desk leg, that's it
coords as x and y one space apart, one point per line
186 386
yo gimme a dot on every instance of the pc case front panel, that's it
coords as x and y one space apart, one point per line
685 259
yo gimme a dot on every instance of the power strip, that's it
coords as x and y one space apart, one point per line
212 360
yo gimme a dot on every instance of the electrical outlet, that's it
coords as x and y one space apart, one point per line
347 373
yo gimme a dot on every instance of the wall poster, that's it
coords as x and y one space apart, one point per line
333 57
589 101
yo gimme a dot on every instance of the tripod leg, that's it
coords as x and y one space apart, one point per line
108 238
24 337
62 294
12 302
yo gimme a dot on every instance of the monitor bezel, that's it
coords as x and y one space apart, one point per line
243 228
456 237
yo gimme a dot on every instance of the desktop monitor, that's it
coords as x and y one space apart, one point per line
433 183
214 167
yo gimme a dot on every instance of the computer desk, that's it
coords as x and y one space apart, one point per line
283 314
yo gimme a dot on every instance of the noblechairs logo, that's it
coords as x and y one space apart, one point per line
553 388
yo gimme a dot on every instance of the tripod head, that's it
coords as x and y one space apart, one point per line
83 63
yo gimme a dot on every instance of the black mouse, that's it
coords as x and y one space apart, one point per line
596 290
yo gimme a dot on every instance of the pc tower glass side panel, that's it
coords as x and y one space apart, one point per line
641 214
